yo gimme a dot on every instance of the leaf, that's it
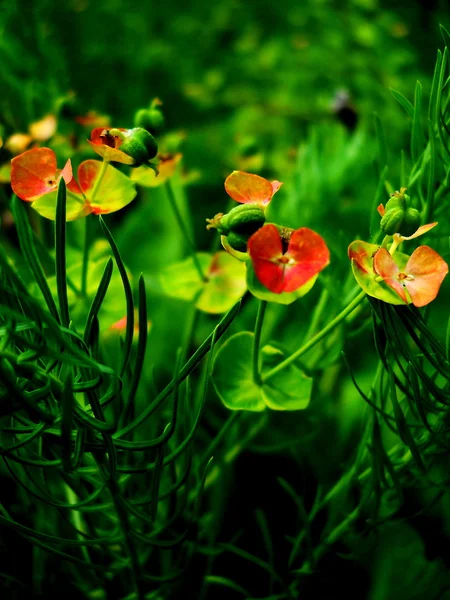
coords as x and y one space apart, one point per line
225 285
147 177
232 377
115 191
404 102
417 135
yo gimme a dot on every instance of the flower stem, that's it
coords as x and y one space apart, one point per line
317 338
184 231
88 230
257 340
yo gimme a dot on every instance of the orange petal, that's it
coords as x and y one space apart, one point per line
249 189
421 231
384 265
428 270
33 173
381 210
67 173
275 186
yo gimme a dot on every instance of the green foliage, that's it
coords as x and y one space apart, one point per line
138 455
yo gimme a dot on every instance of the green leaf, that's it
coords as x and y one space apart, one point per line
76 206
417 135
261 292
225 285
115 191
232 377
404 103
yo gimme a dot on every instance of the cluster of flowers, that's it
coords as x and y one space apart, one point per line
282 263
288 261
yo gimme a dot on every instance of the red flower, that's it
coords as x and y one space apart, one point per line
247 188
34 174
106 143
286 271
421 278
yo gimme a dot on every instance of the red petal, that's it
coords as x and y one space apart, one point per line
384 265
264 246
381 210
249 189
31 172
97 135
428 270
311 255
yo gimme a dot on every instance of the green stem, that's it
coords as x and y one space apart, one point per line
184 231
317 338
88 230
257 341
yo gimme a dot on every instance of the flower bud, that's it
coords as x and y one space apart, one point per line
411 222
392 221
238 241
398 200
243 219
150 119
140 145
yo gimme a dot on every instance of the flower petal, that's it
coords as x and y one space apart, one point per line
97 142
248 188
33 173
428 270
275 186
311 255
385 267
421 231
361 254
264 246
381 210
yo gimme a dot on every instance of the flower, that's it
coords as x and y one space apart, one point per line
34 174
247 188
419 280
286 270
106 143
137 146
35 178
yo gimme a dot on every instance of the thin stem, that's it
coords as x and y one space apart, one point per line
317 338
257 340
184 231
88 230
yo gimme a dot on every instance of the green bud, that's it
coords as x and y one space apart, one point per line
238 241
150 119
140 145
411 222
392 221
244 219
397 200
